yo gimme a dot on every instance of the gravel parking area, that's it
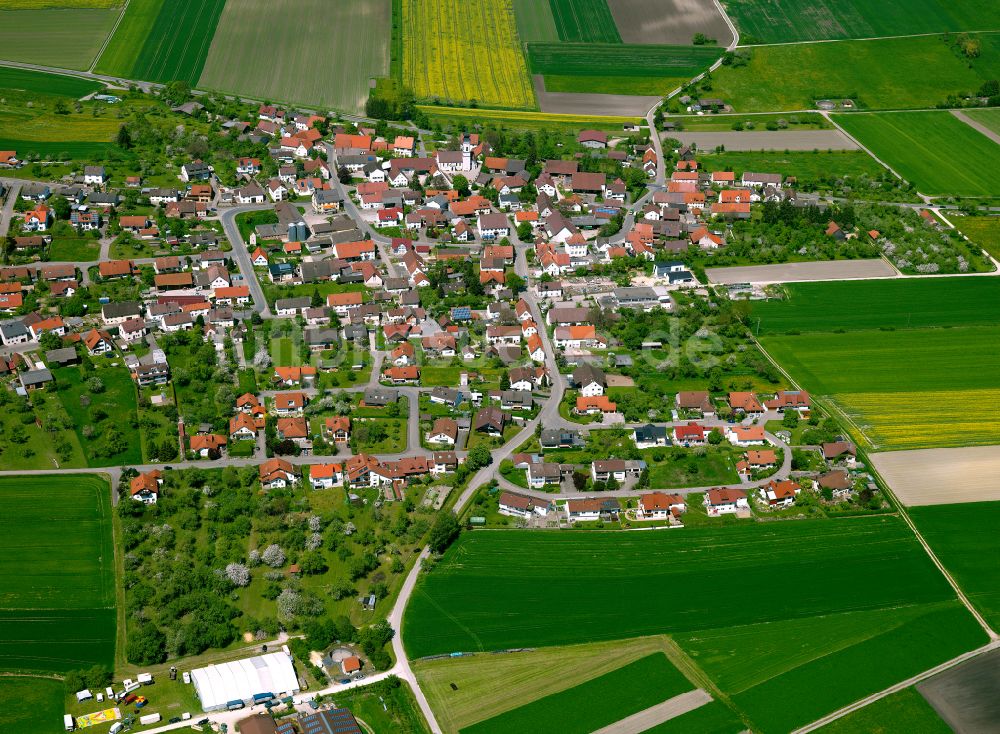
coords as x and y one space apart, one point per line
737 140
941 476
803 272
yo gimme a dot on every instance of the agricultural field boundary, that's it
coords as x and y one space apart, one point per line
110 35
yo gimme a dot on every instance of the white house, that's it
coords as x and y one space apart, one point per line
725 501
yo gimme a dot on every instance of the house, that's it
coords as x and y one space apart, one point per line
590 380
112 269
294 429
443 431
55 324
402 375
780 493
597 404
34 379
765 459
37 220
62 357
725 501
745 403
145 488
591 509
660 506
196 171
277 474
493 225
337 429
376 397
444 462
650 435
542 473
560 438
840 449
617 469
593 139
516 505
289 403
745 435
797 400
326 476
207 444
692 434
94 175
242 427
132 330
97 342
838 482
114 314
157 373
290 376
490 421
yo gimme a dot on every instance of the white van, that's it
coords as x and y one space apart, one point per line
116 728
144 679
131 686
68 722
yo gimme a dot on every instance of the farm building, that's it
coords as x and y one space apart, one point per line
219 685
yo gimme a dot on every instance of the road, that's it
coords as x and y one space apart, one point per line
8 208
656 715
242 256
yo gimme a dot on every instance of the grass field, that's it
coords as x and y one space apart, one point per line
527 676
66 37
596 703
634 85
56 573
117 399
712 718
903 711
122 52
805 165
177 43
617 59
55 150
724 123
586 21
990 118
74 249
465 51
38 82
877 76
31 705
516 120
984 231
876 304
26 4
354 38
939 153
534 21
777 21
917 388
965 540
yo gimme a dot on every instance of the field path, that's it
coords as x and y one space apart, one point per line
867 38
977 126
114 28
656 715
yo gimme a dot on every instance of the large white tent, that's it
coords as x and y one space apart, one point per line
240 680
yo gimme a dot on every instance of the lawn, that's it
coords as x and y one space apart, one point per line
964 539
683 468
876 304
178 41
31 704
122 52
354 37
776 21
586 21
57 604
38 82
984 231
938 152
804 165
74 249
527 676
877 76
515 120
535 21
65 37
942 398
465 51
906 710
596 703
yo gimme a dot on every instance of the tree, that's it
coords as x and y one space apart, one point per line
444 532
273 556
715 437
791 420
238 574
50 340
146 646
461 184
478 457
124 138
525 233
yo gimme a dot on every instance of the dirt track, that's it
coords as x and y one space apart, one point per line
942 476
656 715
768 140
669 21
610 105
803 272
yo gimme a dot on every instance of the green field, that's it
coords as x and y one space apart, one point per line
586 21
915 388
877 76
724 122
938 152
55 150
635 85
38 82
535 21
875 304
984 231
354 37
712 718
777 21
117 401
903 711
990 118
517 120
66 37
804 165
56 573
31 705
618 59
596 703
122 52
177 42
965 540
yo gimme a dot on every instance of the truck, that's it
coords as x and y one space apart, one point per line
259 698
68 722
234 705
149 719
144 679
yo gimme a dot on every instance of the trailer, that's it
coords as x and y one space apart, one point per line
144 679
68 722
149 719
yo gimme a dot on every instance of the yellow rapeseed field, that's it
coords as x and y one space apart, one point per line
912 420
462 51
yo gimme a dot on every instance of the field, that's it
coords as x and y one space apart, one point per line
596 703
122 52
586 21
943 398
38 82
712 718
777 21
724 123
31 705
118 398
535 21
351 38
669 21
903 711
525 120
607 59
66 37
57 574
853 592
990 118
804 165
465 52
25 4
984 231
877 75
177 43
876 304
623 85
964 539
939 153
527 676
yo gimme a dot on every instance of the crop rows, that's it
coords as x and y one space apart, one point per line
465 51
178 42
588 21
611 59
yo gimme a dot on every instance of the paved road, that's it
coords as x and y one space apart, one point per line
8 208
242 256
656 715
